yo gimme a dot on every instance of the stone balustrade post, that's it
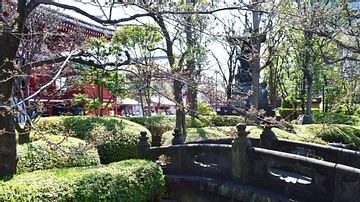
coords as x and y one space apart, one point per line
177 140
143 145
266 137
239 159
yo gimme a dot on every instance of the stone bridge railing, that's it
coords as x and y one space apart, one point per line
284 172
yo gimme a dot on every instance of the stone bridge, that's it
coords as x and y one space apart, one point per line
265 169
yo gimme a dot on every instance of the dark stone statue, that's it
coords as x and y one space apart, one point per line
263 96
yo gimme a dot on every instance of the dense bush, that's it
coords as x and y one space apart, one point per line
157 125
51 125
344 134
291 114
335 118
124 138
161 124
196 134
226 120
38 156
130 180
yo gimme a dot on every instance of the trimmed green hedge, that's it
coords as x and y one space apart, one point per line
165 123
335 118
291 114
225 120
157 125
51 125
130 180
124 138
38 156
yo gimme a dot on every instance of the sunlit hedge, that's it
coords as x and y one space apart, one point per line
129 180
124 137
38 155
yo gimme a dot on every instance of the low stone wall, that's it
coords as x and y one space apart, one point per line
204 168
203 189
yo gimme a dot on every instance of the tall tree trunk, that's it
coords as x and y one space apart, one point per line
191 68
309 82
9 44
307 73
192 97
148 100
180 114
141 103
256 42
23 131
8 157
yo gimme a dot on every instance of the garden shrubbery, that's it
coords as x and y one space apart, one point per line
225 120
51 125
38 155
344 134
335 118
123 144
129 180
157 125
165 123
124 136
291 114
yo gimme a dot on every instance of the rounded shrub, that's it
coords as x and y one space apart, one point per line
157 125
130 180
335 118
39 156
124 136
51 125
226 120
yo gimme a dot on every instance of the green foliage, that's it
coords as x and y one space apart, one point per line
161 124
288 113
130 180
196 134
286 103
102 78
94 105
39 156
341 134
79 99
51 125
357 112
143 38
124 138
291 114
157 125
225 120
204 108
335 118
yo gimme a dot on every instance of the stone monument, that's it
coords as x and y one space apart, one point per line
243 85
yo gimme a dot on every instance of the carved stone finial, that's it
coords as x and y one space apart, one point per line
177 140
241 130
143 139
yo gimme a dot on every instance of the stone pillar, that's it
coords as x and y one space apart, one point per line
177 140
143 145
239 159
266 137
